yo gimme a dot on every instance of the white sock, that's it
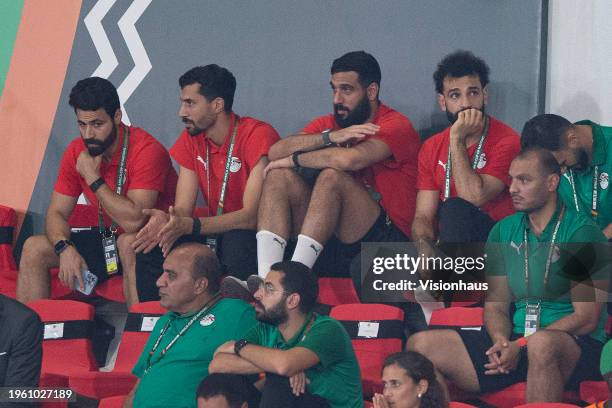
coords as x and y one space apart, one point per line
307 250
427 303
270 250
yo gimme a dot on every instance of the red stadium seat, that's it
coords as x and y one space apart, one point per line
594 391
67 346
457 317
75 320
337 291
514 395
100 385
376 331
547 405
8 221
455 404
112 289
112 402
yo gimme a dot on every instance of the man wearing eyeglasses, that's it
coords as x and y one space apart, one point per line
308 358
181 346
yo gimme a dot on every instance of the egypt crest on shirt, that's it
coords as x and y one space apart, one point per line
482 161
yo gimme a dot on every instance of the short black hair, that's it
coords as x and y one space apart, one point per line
361 62
215 82
548 163
93 93
298 278
233 387
545 131
459 64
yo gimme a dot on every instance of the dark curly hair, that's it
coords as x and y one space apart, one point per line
459 64
418 367
215 82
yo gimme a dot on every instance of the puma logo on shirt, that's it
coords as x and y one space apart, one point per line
517 247
442 164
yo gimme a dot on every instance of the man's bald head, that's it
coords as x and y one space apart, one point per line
204 263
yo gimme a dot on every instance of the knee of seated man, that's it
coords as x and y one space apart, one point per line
280 177
420 341
542 347
36 246
125 241
332 178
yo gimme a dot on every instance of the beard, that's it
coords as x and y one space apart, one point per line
275 315
357 116
194 130
97 147
582 159
452 117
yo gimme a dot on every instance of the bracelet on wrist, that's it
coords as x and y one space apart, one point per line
97 184
521 341
294 157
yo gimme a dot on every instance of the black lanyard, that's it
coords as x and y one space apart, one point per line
228 164
475 160
209 305
119 184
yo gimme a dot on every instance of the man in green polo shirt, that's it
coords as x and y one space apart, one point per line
547 258
308 358
182 343
584 149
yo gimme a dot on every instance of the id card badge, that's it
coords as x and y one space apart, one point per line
211 242
109 245
532 319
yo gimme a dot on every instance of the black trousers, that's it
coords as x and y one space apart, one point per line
277 394
236 250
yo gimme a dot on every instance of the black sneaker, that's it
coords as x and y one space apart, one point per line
232 287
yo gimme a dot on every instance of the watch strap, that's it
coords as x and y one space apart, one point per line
61 245
97 184
239 345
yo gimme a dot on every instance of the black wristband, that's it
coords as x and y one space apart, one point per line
96 184
197 226
296 163
239 345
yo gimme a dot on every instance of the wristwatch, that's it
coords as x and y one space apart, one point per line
61 245
239 345
326 139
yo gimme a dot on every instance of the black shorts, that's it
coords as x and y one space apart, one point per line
383 230
477 342
236 250
89 245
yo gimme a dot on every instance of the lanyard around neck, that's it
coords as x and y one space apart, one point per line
119 183
209 305
595 192
228 164
475 160
550 251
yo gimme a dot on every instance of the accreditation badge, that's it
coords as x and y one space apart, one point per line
111 257
532 319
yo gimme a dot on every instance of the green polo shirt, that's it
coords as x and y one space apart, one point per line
172 380
583 179
336 377
575 259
